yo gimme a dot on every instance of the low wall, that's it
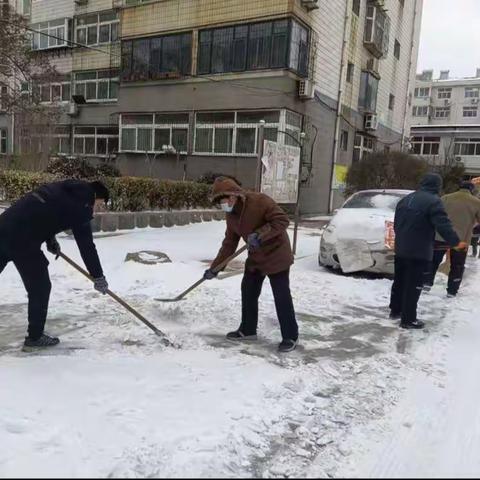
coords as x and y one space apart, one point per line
112 221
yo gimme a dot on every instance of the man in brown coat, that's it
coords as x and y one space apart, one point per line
262 224
463 209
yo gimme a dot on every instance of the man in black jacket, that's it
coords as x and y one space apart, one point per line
417 217
36 218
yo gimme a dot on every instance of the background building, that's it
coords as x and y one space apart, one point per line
445 120
177 88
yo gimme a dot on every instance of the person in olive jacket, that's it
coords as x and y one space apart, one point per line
417 217
262 224
35 219
463 209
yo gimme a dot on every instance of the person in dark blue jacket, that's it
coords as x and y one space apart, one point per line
417 217
35 219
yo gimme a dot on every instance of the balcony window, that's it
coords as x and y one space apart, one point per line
3 141
368 92
97 29
425 145
54 92
97 86
442 112
236 133
3 98
95 141
470 111
422 92
150 132
471 92
157 57
377 30
467 147
444 93
258 46
52 34
420 111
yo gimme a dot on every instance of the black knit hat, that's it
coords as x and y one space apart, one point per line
101 191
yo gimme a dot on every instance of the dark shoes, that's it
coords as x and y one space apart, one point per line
416 325
287 345
43 342
237 335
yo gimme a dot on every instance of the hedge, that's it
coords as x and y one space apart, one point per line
127 193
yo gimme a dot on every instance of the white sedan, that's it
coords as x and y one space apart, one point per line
360 235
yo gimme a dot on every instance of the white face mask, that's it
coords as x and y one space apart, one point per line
226 207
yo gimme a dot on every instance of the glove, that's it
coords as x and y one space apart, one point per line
53 247
209 274
462 246
101 285
253 241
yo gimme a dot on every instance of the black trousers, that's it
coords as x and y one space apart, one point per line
457 267
251 289
33 269
407 287
475 241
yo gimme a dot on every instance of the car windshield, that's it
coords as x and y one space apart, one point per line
374 200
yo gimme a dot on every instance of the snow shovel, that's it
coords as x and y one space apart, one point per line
217 269
354 255
445 266
124 304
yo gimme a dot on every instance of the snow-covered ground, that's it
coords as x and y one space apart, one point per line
359 397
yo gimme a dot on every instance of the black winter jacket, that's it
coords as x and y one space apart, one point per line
51 209
417 217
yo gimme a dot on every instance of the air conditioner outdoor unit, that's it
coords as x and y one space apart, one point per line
458 159
371 121
310 4
372 65
306 89
72 109
446 102
475 101
81 3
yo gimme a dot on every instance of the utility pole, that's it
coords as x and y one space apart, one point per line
261 138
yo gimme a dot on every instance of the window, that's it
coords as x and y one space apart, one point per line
377 30
444 93
420 111
362 146
95 141
3 140
350 72
277 44
236 133
3 97
150 132
368 92
391 102
442 112
396 50
344 140
471 92
425 145
27 7
97 86
157 57
470 111
97 28
52 34
467 147
54 92
422 92
356 7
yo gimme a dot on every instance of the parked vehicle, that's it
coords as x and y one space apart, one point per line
360 235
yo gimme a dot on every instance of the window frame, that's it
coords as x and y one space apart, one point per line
96 136
3 141
416 108
51 31
426 143
445 110
444 93
418 91
153 126
99 23
473 110
112 78
472 92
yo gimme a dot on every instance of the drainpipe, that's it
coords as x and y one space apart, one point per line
341 86
409 81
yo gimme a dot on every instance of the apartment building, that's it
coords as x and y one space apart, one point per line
445 119
177 88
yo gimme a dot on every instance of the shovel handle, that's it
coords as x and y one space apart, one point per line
116 298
